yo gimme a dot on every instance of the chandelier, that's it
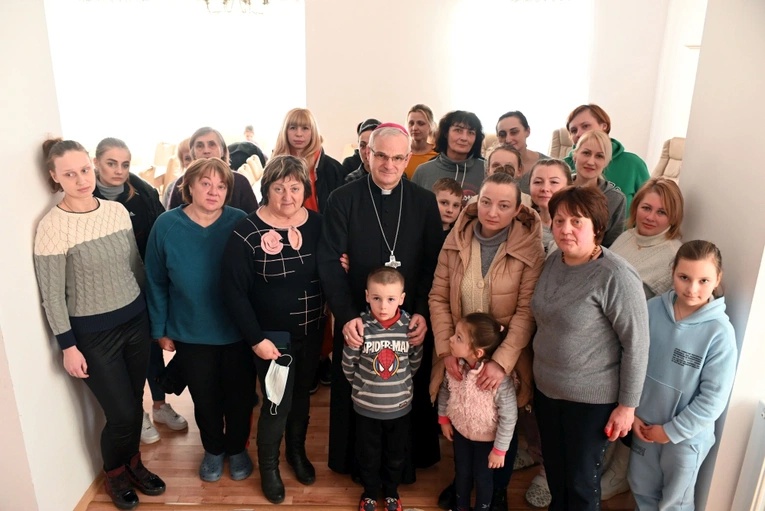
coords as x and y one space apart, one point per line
216 6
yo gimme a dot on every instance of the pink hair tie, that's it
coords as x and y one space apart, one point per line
393 125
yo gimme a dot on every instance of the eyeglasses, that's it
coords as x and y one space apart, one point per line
382 158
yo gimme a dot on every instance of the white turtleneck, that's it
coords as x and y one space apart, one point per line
651 256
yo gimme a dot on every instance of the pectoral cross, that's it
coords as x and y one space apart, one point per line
392 263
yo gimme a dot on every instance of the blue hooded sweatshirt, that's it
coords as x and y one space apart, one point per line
691 366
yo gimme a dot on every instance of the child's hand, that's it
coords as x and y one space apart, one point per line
637 428
656 434
496 461
448 431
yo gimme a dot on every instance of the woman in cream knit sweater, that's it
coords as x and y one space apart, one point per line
650 245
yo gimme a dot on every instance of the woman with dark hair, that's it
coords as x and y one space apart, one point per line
626 170
513 129
183 261
590 348
114 181
90 276
421 125
458 140
208 143
490 262
271 287
299 136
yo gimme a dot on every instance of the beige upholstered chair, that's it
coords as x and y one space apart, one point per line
561 144
148 175
671 161
489 141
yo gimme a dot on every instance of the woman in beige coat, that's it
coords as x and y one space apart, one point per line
490 262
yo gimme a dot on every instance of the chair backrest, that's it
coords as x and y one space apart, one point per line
489 141
671 161
163 152
561 144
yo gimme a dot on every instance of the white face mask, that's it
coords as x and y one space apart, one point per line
276 381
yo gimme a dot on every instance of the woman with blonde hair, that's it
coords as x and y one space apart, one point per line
421 125
591 157
299 136
115 182
649 245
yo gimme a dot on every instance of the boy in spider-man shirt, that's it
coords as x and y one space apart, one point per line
380 372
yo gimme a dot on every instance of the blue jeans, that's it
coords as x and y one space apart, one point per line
573 446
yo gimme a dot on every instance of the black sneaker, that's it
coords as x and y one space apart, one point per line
448 498
499 500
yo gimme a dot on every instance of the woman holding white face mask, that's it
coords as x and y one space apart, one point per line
271 288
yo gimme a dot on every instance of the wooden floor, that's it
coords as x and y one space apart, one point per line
177 455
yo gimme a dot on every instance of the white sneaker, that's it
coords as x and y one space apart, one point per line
149 433
169 417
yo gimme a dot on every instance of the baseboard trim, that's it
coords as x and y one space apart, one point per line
90 493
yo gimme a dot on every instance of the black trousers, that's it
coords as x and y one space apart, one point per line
296 401
117 360
381 451
220 380
471 464
573 446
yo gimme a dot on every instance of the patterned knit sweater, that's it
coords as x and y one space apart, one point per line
381 369
479 415
88 270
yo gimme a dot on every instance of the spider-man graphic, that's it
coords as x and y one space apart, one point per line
386 363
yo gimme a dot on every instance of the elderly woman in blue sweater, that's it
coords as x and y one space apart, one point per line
183 261
590 348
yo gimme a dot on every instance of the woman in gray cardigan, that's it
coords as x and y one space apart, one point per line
590 348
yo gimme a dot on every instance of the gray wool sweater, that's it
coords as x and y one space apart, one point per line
591 344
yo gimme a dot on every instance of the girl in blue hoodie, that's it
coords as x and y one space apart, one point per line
691 365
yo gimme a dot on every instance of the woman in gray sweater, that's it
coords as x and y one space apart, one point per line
590 348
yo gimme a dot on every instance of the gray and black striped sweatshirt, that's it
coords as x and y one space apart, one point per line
381 369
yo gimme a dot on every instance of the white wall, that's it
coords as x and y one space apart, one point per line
378 58
625 64
722 183
60 437
150 72
677 74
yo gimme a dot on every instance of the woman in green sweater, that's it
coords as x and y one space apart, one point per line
183 261
625 170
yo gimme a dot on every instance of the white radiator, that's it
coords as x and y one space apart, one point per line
750 491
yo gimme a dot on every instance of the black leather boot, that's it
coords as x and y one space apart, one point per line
120 490
294 439
146 482
270 478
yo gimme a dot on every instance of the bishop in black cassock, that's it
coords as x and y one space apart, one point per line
353 227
